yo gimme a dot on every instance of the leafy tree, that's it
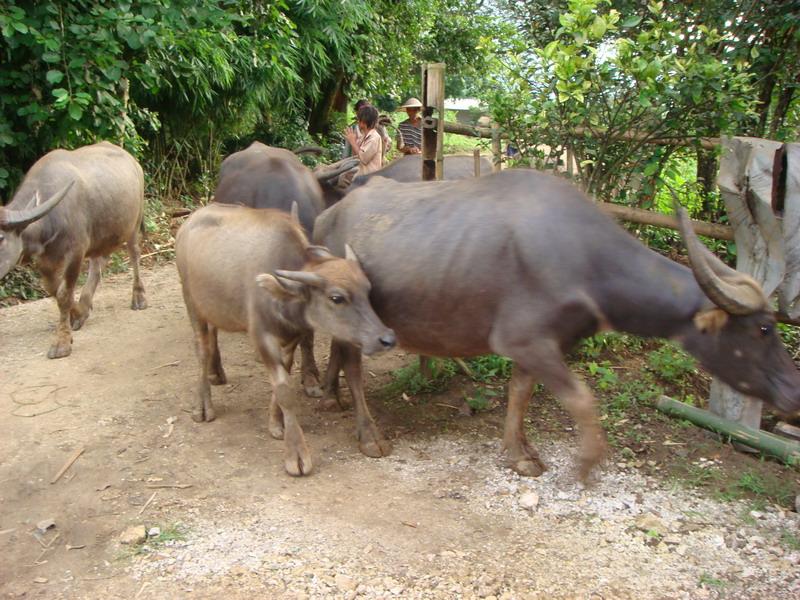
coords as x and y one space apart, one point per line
756 42
608 88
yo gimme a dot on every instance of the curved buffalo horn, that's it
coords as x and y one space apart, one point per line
20 219
306 277
734 292
349 253
328 172
308 150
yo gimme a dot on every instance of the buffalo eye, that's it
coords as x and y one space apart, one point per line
766 330
337 298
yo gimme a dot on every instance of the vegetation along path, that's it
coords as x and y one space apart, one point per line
440 518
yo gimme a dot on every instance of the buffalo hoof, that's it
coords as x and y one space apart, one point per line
334 403
312 390
298 461
60 350
311 385
375 448
138 302
77 319
528 467
276 430
203 416
218 378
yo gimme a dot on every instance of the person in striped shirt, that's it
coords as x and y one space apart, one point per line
409 132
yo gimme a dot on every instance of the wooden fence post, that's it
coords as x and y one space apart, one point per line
432 133
476 157
762 244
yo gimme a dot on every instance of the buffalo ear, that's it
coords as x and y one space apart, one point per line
710 320
318 254
279 287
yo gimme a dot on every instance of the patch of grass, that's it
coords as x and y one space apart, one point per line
174 532
593 347
670 363
696 476
790 541
410 380
482 399
490 368
169 533
604 375
708 580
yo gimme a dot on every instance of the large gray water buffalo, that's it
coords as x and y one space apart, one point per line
524 265
261 176
94 204
245 269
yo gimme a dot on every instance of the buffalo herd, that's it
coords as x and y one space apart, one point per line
518 263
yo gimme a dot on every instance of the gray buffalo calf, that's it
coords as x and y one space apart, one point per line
524 265
245 269
93 203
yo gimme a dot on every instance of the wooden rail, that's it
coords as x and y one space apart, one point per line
486 132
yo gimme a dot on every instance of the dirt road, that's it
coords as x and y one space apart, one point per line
441 518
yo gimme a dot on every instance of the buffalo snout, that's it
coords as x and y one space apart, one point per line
381 343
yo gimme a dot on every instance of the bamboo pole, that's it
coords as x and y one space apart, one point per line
785 450
646 217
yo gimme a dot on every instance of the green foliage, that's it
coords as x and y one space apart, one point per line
593 347
593 78
20 283
482 399
670 363
790 334
603 373
411 381
490 368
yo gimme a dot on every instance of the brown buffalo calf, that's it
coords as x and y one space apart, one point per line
245 269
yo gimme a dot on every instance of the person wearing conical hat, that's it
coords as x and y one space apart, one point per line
409 132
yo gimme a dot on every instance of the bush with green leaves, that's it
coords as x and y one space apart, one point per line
608 85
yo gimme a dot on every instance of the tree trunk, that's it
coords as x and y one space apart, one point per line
764 101
707 178
781 108
319 121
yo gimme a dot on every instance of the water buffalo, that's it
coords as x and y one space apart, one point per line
524 265
245 269
408 169
95 203
265 177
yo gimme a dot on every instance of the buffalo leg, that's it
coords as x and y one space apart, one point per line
138 300
297 460
203 409
370 439
216 374
308 367
65 297
80 312
276 425
522 456
544 363
332 398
